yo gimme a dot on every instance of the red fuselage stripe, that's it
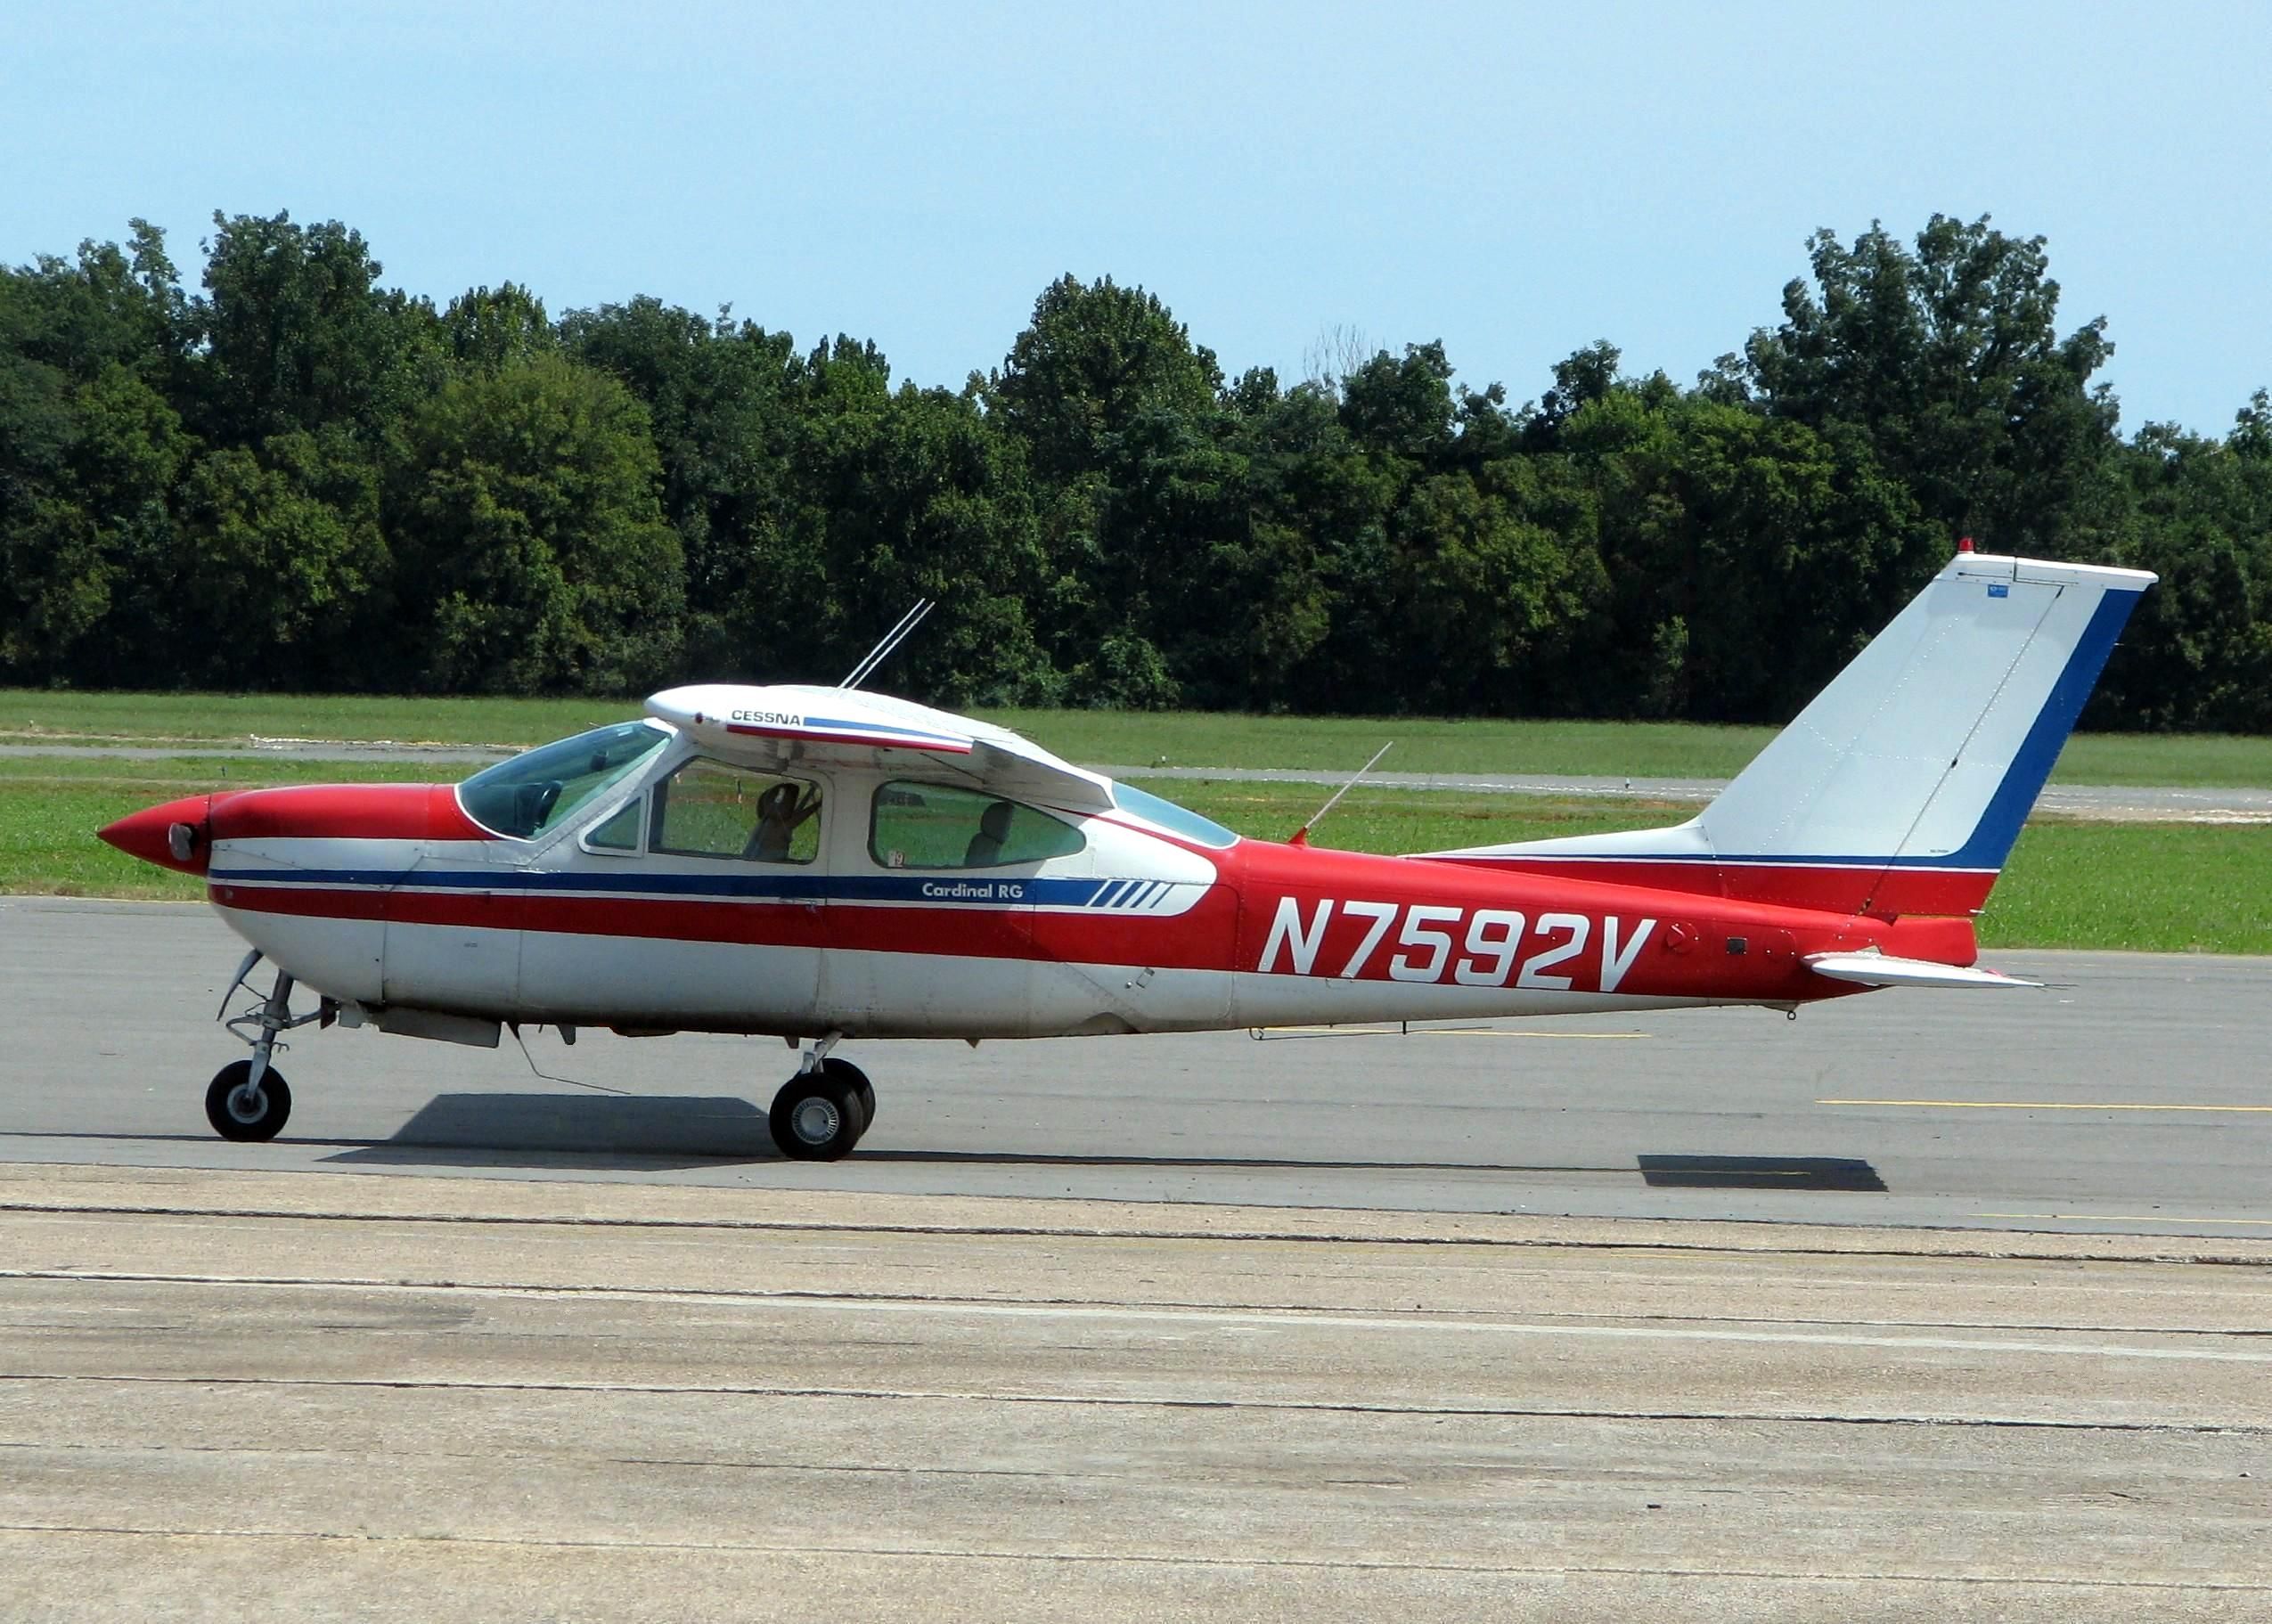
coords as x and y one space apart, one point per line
1819 887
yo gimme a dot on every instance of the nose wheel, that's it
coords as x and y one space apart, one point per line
248 1100
243 1110
821 1112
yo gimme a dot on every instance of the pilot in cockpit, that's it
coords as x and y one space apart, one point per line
780 815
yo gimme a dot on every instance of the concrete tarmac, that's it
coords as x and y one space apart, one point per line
269 1396
1477 1326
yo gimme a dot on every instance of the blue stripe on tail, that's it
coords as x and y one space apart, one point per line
1999 823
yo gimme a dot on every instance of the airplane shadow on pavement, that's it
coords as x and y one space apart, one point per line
648 1131
1761 1173
632 1131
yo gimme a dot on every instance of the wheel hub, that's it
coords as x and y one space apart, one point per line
816 1121
246 1103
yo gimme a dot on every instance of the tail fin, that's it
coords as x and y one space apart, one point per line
1902 787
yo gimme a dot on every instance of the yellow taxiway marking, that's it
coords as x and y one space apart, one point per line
2041 1104
2129 1217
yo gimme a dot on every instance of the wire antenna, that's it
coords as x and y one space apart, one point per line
1302 835
878 654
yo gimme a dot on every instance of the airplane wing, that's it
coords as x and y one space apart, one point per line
1873 969
778 726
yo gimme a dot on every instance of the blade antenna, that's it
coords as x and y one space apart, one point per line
891 640
1302 835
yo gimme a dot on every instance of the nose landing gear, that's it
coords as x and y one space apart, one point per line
249 1100
821 1112
242 1109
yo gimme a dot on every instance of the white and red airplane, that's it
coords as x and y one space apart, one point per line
822 864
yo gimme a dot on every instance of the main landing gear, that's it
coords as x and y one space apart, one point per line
249 1100
821 1112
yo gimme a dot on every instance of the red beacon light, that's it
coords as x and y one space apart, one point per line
1964 544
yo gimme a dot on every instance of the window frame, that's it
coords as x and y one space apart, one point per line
657 796
877 855
636 804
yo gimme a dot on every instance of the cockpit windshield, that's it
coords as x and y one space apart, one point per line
1175 820
533 791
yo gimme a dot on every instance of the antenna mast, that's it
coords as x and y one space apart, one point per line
1302 835
878 654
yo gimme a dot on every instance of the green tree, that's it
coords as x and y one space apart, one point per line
1401 407
2198 651
1747 558
491 329
85 528
89 451
280 564
1095 358
531 553
721 401
898 494
1948 356
297 334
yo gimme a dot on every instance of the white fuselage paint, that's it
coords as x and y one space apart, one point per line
1416 961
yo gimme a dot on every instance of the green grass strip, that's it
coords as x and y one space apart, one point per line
1195 739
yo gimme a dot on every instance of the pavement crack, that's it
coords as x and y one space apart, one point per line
2004 1246
1245 1561
1165 1402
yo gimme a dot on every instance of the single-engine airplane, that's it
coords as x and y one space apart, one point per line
822 864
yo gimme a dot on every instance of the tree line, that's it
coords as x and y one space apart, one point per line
295 479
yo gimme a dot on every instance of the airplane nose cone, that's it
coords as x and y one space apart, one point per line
172 836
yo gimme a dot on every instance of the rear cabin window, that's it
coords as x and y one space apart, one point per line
933 826
708 809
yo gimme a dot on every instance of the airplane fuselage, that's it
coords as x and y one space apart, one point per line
392 896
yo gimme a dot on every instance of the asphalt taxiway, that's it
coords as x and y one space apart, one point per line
1476 1324
2135 1093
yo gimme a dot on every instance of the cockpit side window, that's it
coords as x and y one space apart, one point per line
936 826
709 809
535 790
620 831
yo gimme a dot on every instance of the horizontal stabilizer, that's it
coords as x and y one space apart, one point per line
1879 970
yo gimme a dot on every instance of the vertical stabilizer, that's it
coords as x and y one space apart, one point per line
1902 785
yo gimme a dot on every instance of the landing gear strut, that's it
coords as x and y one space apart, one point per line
821 1112
249 1100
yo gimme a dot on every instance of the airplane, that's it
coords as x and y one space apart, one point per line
826 865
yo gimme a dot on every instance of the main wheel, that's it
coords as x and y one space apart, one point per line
247 1114
857 1079
817 1117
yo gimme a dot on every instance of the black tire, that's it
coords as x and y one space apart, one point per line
857 1081
226 1110
817 1117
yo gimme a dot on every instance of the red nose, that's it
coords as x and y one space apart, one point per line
173 836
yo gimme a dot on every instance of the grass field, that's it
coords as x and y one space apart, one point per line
2150 887
1338 743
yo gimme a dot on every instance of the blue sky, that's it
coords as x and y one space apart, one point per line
1515 180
